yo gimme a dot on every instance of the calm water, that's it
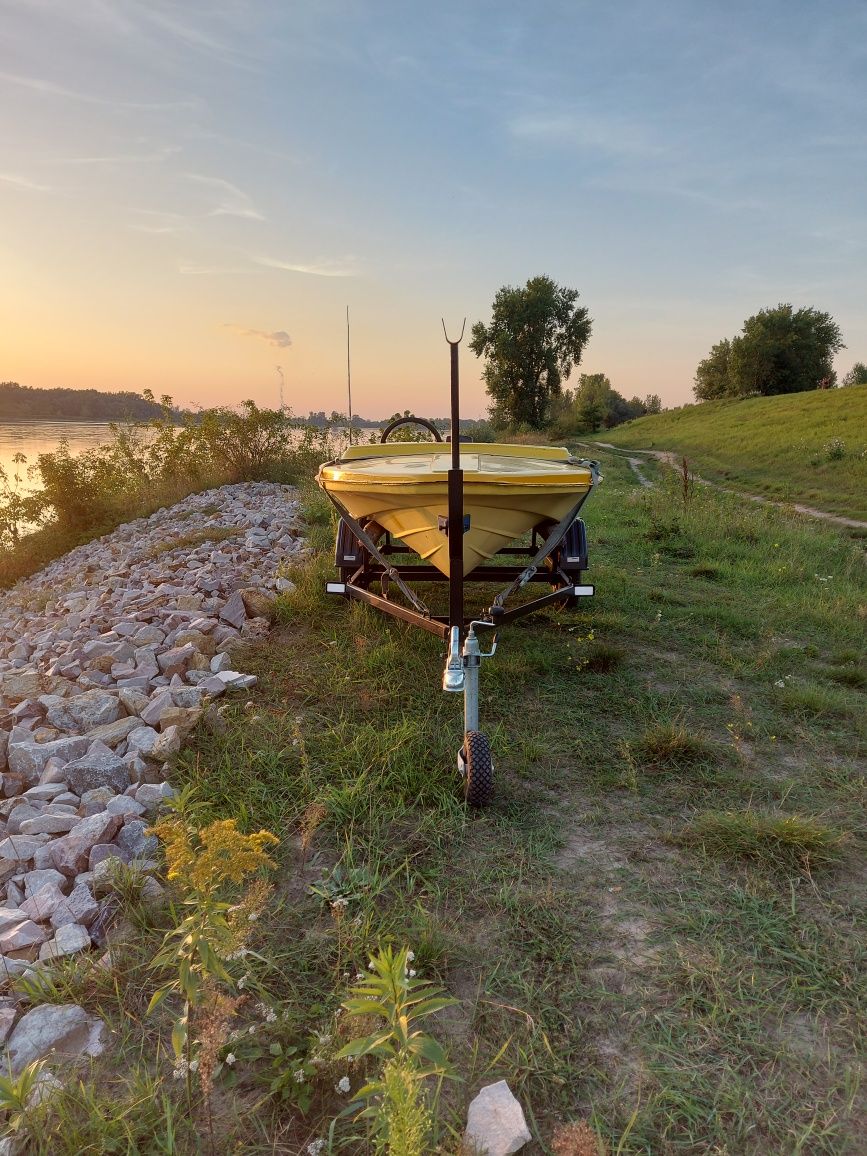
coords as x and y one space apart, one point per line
40 437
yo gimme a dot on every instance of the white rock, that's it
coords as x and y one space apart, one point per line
44 903
495 1122
16 936
49 824
70 939
19 849
44 1087
124 805
64 1029
7 1019
35 880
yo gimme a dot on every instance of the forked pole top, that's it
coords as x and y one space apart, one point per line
454 344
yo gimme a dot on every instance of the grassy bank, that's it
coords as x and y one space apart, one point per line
654 929
804 447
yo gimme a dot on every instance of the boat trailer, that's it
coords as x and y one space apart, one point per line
365 556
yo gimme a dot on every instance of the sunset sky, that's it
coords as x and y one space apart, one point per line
192 193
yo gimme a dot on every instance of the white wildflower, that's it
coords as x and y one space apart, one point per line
343 1085
371 966
270 1016
242 982
298 1076
779 682
251 1030
339 904
180 1069
253 916
323 1038
315 1147
410 955
194 1065
411 972
230 1058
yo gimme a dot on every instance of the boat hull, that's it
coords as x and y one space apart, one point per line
504 496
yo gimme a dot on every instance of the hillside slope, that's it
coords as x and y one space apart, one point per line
804 447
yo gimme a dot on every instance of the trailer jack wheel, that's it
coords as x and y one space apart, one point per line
478 769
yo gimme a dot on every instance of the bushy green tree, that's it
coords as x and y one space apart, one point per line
534 340
857 375
594 404
780 350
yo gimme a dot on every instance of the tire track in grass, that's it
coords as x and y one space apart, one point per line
671 459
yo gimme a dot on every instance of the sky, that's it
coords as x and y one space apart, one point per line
192 194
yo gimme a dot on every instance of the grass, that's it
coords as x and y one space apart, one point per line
655 927
777 841
806 447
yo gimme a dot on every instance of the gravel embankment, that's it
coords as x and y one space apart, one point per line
108 657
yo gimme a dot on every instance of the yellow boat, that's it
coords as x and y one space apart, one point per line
402 488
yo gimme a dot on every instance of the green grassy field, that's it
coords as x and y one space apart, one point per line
804 447
657 927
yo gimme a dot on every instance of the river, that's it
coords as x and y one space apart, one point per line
32 438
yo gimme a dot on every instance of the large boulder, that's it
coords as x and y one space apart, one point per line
70 854
62 1029
100 767
16 685
82 712
113 733
28 758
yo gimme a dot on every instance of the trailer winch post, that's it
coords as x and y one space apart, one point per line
456 495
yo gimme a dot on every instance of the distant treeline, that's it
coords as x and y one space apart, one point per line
24 403
27 403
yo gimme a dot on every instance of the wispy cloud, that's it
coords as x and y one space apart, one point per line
23 183
322 268
615 135
231 201
279 337
49 88
191 269
143 158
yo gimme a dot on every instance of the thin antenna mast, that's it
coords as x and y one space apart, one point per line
279 369
348 375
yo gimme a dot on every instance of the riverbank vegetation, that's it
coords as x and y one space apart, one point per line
76 497
654 932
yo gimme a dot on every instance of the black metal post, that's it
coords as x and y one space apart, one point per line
456 498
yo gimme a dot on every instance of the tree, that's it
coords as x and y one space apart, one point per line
780 350
536 337
857 375
712 376
594 403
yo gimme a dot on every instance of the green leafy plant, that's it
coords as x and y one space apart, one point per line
208 866
19 1099
394 1101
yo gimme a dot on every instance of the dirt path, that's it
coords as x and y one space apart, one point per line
674 460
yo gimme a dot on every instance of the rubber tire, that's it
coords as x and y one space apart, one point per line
479 787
